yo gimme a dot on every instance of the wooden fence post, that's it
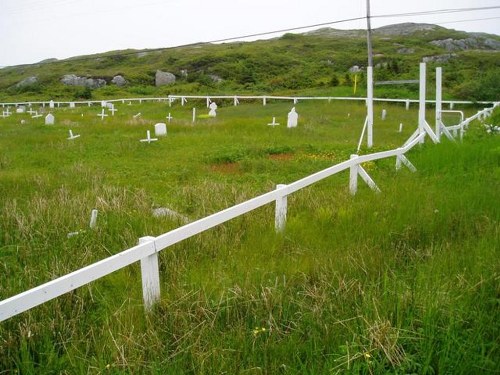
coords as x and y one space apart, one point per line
353 177
281 208
150 276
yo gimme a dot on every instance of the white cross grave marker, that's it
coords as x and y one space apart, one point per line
274 123
148 138
112 110
71 136
102 114
169 117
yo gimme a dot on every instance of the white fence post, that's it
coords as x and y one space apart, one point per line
150 276
421 107
439 98
281 208
353 177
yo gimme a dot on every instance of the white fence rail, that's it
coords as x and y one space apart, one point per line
147 250
235 98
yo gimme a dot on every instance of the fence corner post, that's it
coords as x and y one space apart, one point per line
281 208
150 275
353 176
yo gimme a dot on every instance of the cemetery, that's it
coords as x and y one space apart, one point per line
212 165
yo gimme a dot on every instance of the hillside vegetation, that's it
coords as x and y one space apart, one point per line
317 62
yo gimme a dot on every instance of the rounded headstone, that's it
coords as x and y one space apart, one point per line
160 129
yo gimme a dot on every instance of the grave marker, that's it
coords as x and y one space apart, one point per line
293 118
112 110
274 123
49 119
148 138
137 115
169 117
102 114
51 104
71 136
213 109
384 114
72 105
160 129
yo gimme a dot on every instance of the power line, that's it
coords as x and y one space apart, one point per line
470 19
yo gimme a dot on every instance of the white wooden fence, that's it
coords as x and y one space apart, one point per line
148 248
235 98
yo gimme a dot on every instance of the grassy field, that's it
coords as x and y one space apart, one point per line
406 281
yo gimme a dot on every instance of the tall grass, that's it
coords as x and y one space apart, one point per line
405 281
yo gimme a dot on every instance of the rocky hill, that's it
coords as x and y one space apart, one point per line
325 60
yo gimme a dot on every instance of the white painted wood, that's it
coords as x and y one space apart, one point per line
93 219
439 103
264 100
401 159
169 117
150 275
72 136
24 301
102 114
236 101
353 176
273 123
421 105
407 102
194 115
281 209
366 178
148 138
369 114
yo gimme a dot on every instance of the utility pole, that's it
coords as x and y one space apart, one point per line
369 81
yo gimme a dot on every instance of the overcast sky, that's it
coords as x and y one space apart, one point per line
34 30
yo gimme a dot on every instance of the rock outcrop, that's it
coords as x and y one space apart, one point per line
119 80
164 78
73 80
467 44
27 82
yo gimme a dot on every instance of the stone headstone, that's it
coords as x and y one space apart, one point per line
164 78
213 109
21 109
384 114
160 129
51 104
49 119
293 118
71 105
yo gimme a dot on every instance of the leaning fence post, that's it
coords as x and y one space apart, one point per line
150 276
353 176
281 208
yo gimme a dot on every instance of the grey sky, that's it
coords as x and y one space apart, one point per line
34 30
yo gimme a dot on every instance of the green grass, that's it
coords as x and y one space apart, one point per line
405 281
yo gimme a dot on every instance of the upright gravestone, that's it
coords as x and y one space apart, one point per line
21 109
293 118
72 105
49 119
160 129
213 109
51 104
